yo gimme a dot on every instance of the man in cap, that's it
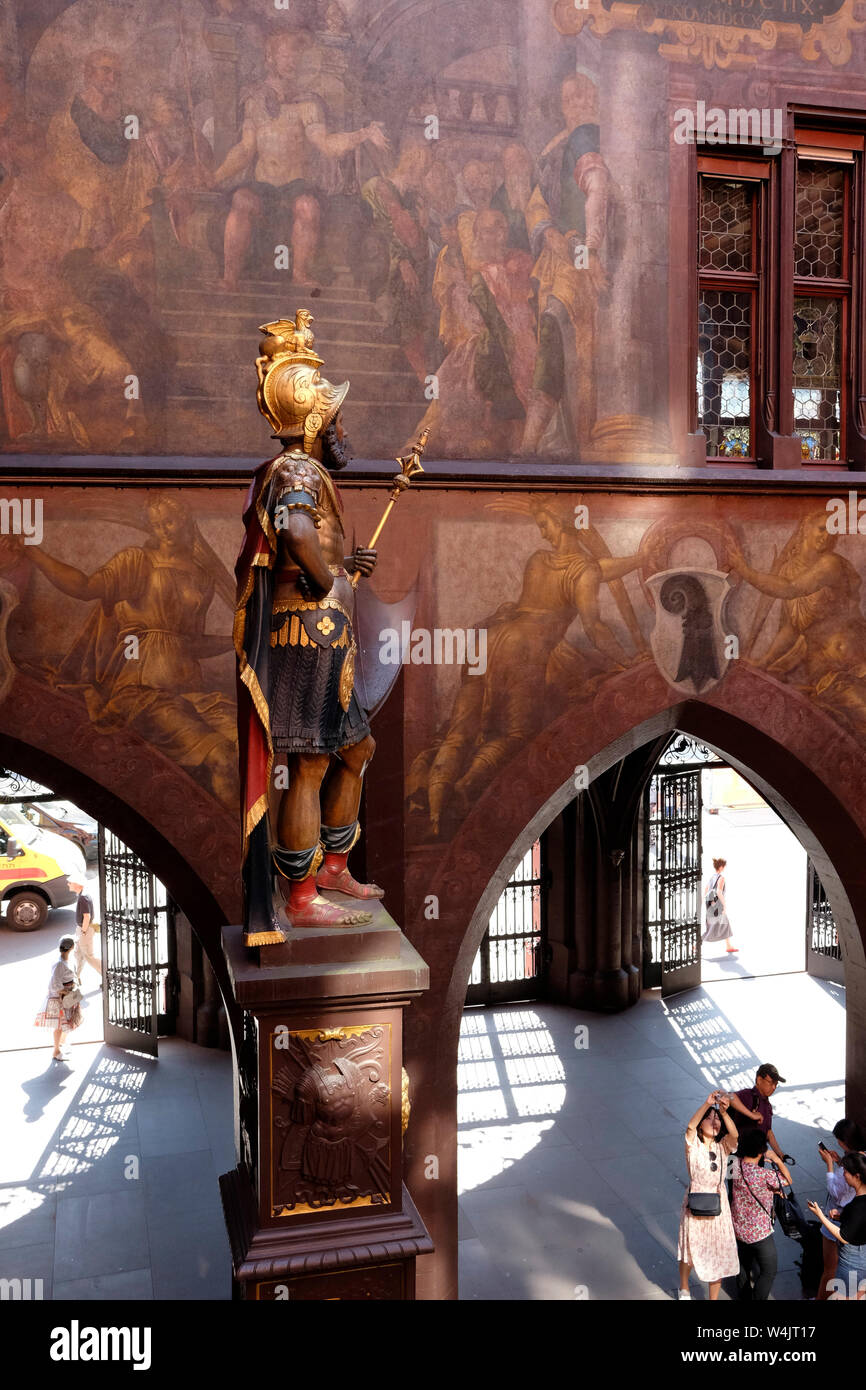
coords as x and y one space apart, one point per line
752 1105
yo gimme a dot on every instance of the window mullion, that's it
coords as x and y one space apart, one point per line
784 448
855 413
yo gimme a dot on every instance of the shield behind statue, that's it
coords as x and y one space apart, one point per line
689 637
374 678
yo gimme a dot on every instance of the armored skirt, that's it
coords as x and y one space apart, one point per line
313 706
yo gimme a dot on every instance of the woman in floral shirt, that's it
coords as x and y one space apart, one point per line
754 1188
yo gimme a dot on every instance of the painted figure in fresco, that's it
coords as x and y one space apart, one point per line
822 631
296 651
137 660
512 196
450 290
182 157
396 210
482 289
62 374
283 134
485 381
480 180
494 715
105 173
439 193
566 219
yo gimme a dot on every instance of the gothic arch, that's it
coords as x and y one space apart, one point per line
185 837
798 757
786 747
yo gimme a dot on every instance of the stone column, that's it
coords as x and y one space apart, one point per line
580 979
189 955
206 1027
610 980
632 917
631 372
559 865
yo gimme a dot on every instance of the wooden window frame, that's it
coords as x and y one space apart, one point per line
840 148
756 172
818 134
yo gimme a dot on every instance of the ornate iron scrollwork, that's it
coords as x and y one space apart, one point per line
14 786
683 750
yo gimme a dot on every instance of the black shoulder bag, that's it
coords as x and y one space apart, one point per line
706 1203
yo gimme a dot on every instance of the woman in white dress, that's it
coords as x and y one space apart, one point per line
717 927
707 1244
61 1017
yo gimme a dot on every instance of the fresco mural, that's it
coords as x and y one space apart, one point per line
128 615
483 223
638 589
170 169
138 632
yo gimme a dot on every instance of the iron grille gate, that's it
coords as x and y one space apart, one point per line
823 952
673 879
137 942
509 961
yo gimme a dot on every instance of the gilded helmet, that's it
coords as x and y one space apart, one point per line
292 395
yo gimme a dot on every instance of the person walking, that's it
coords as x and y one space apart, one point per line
851 1230
707 1243
61 1011
754 1186
851 1139
717 926
85 936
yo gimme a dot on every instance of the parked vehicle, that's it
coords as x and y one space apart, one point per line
34 867
52 815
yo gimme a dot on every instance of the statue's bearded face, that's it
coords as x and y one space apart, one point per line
335 445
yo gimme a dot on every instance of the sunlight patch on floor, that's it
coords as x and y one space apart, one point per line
486 1153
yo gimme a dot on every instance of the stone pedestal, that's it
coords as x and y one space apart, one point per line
316 1208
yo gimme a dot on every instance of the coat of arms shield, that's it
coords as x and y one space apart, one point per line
689 641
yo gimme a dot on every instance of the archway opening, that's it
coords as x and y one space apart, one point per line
109 1174
542 1087
100 805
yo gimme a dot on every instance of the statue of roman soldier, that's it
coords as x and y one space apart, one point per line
296 650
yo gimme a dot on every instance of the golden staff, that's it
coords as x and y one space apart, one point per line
410 467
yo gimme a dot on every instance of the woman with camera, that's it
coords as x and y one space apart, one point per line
851 1230
850 1139
707 1243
